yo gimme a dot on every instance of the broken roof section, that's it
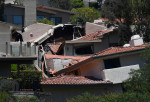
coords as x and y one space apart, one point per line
55 63
96 36
37 32
73 80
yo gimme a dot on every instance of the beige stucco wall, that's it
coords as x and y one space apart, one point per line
93 69
60 94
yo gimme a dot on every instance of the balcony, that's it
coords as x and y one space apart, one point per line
19 49
118 75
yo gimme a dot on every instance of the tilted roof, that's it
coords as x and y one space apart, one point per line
34 31
72 80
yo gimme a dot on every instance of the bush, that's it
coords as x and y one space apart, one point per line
28 79
86 97
46 21
27 99
4 96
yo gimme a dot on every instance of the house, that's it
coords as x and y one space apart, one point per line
113 64
71 86
21 15
91 43
13 52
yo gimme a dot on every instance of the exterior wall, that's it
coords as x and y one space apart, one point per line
30 11
118 75
14 11
131 60
4 37
9 12
68 92
68 50
93 69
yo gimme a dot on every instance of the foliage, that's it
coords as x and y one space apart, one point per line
94 5
45 21
4 96
28 78
77 4
27 99
127 13
84 15
27 67
62 4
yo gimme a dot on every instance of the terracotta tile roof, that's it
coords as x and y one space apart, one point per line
55 47
115 50
72 80
95 36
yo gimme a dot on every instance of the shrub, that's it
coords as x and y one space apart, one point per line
46 21
28 79
4 96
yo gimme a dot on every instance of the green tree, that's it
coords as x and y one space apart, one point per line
140 79
127 13
84 15
62 4
45 21
77 4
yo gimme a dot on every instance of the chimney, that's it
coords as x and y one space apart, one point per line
30 12
136 40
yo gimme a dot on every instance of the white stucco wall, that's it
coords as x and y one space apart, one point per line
118 75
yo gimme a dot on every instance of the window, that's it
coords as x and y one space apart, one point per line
18 20
83 50
40 17
56 20
112 63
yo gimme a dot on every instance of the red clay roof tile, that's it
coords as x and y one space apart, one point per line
114 50
95 36
72 80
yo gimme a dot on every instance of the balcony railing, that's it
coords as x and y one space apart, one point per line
20 49
120 74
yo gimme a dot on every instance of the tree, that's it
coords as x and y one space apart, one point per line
1 9
45 21
129 13
62 4
77 3
84 15
140 79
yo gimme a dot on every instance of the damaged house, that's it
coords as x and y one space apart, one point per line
111 66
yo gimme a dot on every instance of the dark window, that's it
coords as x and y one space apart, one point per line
18 20
112 63
40 17
82 50
56 20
